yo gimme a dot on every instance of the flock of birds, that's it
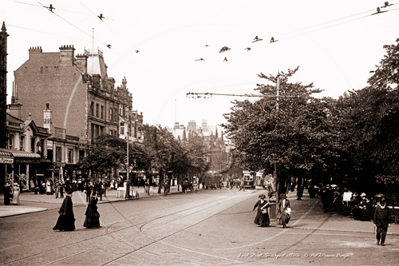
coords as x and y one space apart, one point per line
380 10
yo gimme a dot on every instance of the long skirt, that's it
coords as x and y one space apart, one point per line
65 223
92 221
262 219
284 219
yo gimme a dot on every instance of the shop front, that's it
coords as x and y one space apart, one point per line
6 160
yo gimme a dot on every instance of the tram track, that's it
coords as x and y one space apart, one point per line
111 233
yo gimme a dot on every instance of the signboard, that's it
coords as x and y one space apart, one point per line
347 196
6 160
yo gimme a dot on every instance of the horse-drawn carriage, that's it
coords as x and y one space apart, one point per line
187 185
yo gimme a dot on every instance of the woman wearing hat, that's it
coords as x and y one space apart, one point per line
92 216
262 216
66 220
283 216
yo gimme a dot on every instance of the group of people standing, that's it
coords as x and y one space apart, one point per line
66 218
283 212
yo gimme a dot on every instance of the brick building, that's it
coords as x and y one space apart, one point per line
83 99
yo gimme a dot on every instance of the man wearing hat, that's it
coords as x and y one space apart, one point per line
382 220
66 220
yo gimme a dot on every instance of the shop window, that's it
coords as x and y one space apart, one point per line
58 154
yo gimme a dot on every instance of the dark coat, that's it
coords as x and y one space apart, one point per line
382 216
262 219
66 220
92 219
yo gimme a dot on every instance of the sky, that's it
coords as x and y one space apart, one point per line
335 43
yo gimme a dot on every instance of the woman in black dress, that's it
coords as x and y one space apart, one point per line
66 220
262 216
92 216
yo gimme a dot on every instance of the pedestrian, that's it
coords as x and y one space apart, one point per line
262 216
284 209
242 185
148 186
92 219
66 220
88 191
231 182
382 220
15 194
56 189
299 193
7 193
61 188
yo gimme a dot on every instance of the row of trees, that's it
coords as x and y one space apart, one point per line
352 141
160 151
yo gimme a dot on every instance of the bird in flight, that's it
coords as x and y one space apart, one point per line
272 40
201 59
225 59
109 46
386 4
224 49
379 11
256 39
248 49
50 8
137 51
101 17
206 45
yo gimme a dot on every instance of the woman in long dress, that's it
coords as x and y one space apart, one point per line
262 216
92 216
282 215
15 194
66 220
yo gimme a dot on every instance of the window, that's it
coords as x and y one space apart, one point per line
11 142
50 155
32 145
92 108
115 116
81 155
102 112
70 155
111 114
22 143
97 107
122 129
58 154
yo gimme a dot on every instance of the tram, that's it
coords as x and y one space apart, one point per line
248 178
213 180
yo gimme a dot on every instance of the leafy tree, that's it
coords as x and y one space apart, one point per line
295 134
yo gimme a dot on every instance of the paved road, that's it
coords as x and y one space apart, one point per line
211 227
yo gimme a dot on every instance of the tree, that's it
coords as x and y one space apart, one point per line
298 136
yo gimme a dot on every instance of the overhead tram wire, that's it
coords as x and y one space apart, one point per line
98 16
331 25
65 10
76 27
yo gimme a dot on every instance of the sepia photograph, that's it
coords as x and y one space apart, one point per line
184 132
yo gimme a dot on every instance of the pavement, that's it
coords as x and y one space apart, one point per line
30 202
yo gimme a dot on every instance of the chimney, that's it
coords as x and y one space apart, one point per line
35 51
47 119
67 55
81 62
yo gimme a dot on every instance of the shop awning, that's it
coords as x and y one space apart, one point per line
6 157
25 154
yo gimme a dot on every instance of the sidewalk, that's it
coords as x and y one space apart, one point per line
31 202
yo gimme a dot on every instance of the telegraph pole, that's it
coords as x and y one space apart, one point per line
275 164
